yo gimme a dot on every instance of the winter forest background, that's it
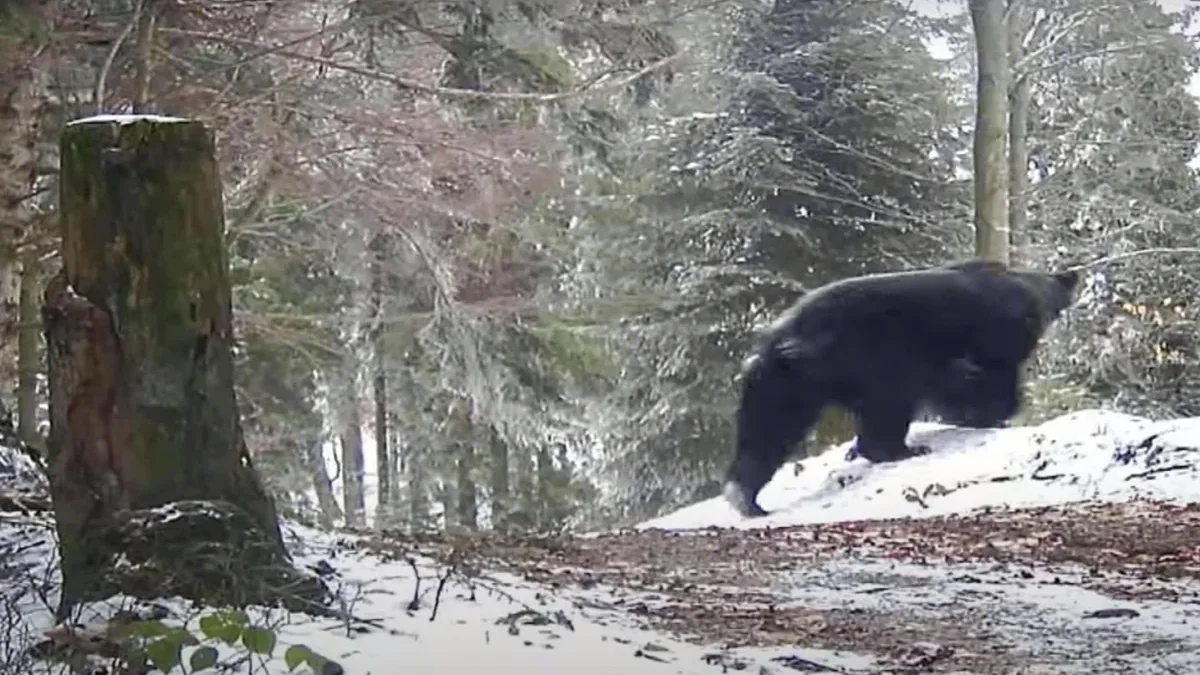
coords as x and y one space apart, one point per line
496 262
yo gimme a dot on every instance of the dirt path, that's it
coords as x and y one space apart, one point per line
1088 589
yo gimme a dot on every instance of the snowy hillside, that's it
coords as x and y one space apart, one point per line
1106 586
1090 455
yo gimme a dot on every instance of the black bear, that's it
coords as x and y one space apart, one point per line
883 346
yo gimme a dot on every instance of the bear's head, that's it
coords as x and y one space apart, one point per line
1051 292
1055 291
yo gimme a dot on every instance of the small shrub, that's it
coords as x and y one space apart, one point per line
154 643
1048 398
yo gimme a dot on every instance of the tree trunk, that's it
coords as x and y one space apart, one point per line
322 485
29 352
544 490
1018 161
525 501
139 340
399 465
10 321
418 487
383 464
446 496
499 479
350 423
23 92
991 126
383 452
1018 137
467 505
144 43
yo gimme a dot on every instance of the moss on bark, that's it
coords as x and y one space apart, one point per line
143 410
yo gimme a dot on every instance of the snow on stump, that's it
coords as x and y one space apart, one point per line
142 406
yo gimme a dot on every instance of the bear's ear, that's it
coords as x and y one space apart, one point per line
1067 279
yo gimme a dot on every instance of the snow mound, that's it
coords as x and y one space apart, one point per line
1086 456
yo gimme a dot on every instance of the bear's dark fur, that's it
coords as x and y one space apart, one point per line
948 339
969 396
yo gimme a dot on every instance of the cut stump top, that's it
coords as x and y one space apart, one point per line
127 119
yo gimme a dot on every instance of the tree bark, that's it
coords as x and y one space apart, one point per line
23 93
383 452
467 503
383 464
397 454
10 311
29 352
500 497
524 514
418 487
991 127
322 485
544 490
1018 137
147 17
1018 160
350 423
139 340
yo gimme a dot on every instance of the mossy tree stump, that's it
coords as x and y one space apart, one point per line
138 325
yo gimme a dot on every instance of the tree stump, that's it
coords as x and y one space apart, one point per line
138 329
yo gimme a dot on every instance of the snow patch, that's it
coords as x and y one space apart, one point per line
1087 456
1022 607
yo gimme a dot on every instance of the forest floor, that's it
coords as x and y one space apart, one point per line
1089 588
1071 547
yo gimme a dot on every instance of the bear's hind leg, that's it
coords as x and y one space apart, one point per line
882 428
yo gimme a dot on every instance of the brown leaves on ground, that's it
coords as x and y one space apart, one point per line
723 586
1143 538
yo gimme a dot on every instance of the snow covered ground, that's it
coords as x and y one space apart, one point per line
1091 455
484 622
398 617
